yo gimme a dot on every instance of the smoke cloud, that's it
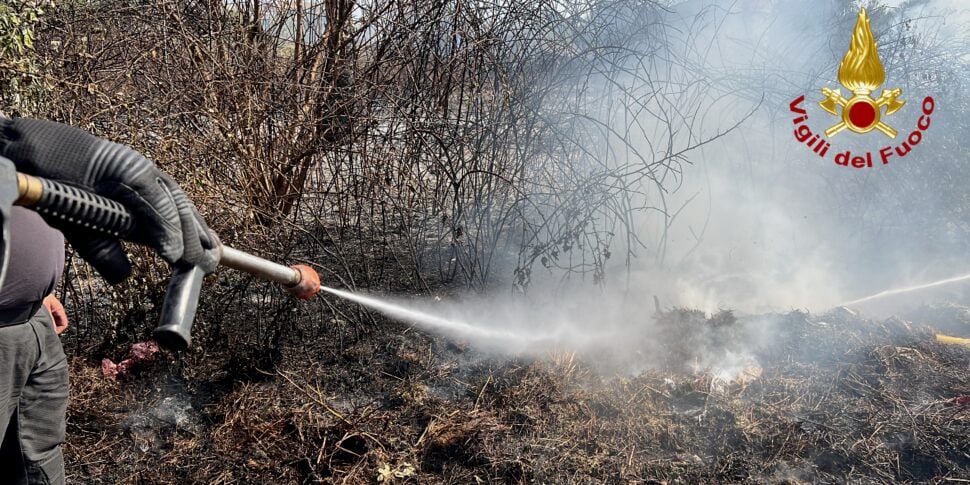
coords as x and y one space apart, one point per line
770 225
762 223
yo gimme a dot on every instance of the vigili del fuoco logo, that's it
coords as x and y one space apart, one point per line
861 72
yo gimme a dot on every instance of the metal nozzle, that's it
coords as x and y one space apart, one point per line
308 285
300 280
73 206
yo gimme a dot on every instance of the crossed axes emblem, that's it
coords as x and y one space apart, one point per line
861 113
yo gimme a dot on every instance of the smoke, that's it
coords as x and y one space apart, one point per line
754 222
767 224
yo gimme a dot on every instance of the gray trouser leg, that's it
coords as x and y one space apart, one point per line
33 402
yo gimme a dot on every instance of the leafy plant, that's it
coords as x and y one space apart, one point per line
21 85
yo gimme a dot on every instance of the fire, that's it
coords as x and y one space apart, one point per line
861 70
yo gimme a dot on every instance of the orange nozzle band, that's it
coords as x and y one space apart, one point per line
309 283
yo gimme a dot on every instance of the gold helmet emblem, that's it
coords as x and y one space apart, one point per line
861 72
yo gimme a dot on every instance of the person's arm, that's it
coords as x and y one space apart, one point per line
165 218
57 311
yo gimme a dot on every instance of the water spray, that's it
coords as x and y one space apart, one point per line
480 328
401 313
908 289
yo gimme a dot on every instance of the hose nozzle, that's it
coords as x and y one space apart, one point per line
93 212
308 285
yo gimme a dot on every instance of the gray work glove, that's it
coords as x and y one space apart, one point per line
165 218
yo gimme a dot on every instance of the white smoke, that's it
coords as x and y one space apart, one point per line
765 224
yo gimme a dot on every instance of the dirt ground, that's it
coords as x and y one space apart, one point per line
836 398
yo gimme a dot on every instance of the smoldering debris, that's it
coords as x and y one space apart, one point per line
839 398
149 427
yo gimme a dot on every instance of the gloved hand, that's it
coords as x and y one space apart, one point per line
165 218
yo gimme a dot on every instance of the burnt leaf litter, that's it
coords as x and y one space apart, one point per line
831 398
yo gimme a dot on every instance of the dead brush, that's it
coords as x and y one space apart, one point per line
267 425
94 400
457 435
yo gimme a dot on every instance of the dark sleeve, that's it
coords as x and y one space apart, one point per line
36 259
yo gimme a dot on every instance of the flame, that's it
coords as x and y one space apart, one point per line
861 70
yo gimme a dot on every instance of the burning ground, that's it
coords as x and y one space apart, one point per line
827 398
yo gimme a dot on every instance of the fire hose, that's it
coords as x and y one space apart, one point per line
88 211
